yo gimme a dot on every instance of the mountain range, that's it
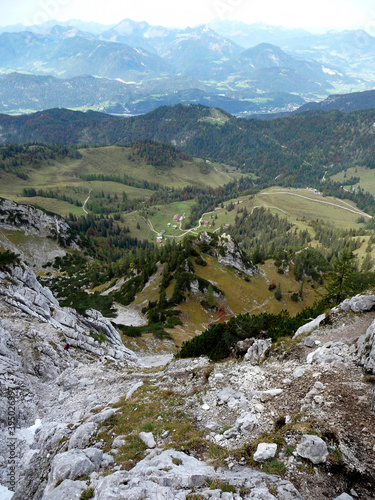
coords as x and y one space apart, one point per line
244 69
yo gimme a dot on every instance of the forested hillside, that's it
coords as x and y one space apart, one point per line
297 150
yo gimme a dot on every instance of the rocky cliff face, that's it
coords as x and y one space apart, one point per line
34 221
47 235
229 254
92 420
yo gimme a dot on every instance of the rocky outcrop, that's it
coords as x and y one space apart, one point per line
34 221
171 474
257 351
357 304
310 326
366 349
332 352
20 289
75 412
228 254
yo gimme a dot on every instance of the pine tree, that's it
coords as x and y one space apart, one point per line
341 282
278 293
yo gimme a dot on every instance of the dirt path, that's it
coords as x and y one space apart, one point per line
84 203
353 210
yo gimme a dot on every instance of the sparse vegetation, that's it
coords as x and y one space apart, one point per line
87 494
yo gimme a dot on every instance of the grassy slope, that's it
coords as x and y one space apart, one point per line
366 175
64 176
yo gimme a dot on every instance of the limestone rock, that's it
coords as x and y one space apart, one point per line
67 490
358 304
260 494
70 465
102 416
309 327
148 439
366 349
298 372
265 451
344 496
270 394
242 346
228 393
33 221
309 342
330 352
313 448
82 435
256 352
231 256
246 422
26 294
118 441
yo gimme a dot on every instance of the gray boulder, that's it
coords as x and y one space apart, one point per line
71 465
82 435
228 393
246 422
148 439
330 353
269 394
366 349
358 304
309 342
174 469
256 352
260 494
299 371
265 451
67 490
312 448
101 417
344 496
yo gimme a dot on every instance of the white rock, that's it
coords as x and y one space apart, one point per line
265 451
228 393
270 394
247 422
70 465
82 435
259 408
313 448
256 352
118 441
148 439
67 490
309 342
132 390
358 303
309 327
299 371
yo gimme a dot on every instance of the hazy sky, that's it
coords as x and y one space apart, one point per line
316 15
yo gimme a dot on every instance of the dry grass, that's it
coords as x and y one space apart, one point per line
156 410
